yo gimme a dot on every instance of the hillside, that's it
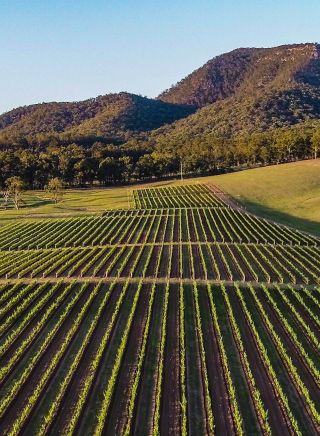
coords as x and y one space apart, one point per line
244 91
218 79
288 193
247 71
108 115
249 90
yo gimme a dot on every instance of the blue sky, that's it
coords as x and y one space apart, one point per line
64 50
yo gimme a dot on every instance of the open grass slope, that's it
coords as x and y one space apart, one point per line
288 193
75 203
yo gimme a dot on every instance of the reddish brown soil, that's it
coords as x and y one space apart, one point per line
145 231
119 263
242 264
153 261
192 230
301 332
116 232
103 268
160 235
209 236
124 235
117 415
222 218
306 317
25 332
146 397
168 231
199 220
164 264
312 257
175 269
296 357
68 401
211 270
186 262
282 260
196 409
198 267
236 271
270 254
26 388
155 230
302 267
130 236
216 226
268 395
247 250
176 230
217 383
273 276
170 407
224 275
240 221
126 270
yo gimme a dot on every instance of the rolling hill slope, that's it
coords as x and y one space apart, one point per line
108 115
246 90
249 90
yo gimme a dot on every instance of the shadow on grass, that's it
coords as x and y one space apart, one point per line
27 204
36 203
305 225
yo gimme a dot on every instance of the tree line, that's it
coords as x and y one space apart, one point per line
141 158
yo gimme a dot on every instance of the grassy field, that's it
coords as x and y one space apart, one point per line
75 202
289 194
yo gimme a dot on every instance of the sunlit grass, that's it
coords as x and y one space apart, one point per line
289 194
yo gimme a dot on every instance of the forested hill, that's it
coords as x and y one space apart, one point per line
108 115
246 90
248 72
247 107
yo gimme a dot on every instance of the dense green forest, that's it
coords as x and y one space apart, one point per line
245 108
113 116
79 165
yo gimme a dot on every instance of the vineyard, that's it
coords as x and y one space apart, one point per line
182 315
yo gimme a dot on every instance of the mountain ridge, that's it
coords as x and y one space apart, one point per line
102 115
208 84
245 90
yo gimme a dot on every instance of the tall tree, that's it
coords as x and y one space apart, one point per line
15 187
315 143
55 189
